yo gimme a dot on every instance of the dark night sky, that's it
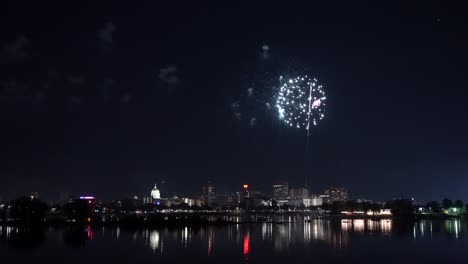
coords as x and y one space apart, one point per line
108 98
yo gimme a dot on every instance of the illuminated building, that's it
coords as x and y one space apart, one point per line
312 201
155 194
245 195
82 209
335 194
208 194
381 212
147 200
192 202
280 191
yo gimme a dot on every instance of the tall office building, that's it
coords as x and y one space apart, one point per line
208 194
280 191
245 194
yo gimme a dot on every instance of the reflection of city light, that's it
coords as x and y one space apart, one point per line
185 234
246 244
267 231
307 231
210 240
386 226
89 232
372 225
154 240
281 237
8 231
346 224
453 227
358 225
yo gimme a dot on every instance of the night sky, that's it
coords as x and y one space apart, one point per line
107 99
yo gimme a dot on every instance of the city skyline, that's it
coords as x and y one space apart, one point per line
209 194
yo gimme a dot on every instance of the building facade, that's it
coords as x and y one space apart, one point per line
280 192
155 193
208 194
335 194
298 193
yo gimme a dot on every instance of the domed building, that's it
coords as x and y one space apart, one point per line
155 194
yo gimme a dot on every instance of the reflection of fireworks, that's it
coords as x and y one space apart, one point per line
300 101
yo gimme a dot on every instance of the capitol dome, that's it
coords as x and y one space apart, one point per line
155 194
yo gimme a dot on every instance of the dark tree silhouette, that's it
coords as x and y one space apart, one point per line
27 210
401 207
459 204
447 203
434 206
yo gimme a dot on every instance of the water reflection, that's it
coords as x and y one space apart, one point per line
154 240
383 226
453 227
281 236
77 236
450 228
22 238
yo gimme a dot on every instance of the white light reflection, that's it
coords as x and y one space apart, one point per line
154 240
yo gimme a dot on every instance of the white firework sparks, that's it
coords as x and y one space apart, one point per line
300 102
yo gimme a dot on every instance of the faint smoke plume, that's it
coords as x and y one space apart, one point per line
168 74
253 121
105 33
15 51
250 91
265 51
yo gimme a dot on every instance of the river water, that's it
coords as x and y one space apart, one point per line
299 241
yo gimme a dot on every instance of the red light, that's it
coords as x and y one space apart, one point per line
89 202
89 232
246 186
246 244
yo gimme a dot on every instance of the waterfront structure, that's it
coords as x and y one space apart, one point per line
381 212
312 201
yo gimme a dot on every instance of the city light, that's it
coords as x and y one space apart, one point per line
87 197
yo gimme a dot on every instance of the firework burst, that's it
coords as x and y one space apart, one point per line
300 102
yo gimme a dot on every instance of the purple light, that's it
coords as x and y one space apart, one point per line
87 198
